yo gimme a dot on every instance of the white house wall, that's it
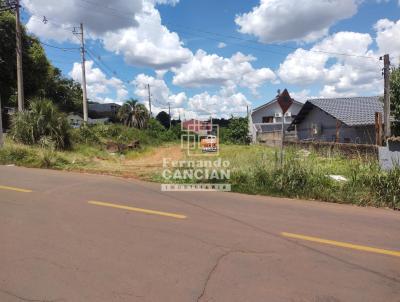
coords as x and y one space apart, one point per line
271 109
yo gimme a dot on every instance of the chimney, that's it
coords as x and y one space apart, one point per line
279 92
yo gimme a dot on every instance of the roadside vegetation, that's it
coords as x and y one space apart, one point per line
135 146
308 175
40 137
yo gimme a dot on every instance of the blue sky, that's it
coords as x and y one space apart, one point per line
176 46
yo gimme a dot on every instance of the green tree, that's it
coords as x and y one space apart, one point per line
34 61
237 131
163 118
395 99
133 114
41 79
66 93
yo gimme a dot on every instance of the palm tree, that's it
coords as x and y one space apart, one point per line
133 114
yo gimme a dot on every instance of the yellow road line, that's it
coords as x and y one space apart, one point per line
343 244
152 212
15 189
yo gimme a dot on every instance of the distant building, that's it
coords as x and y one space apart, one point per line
100 110
197 126
345 120
76 121
266 120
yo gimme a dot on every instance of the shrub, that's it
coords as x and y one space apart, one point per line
85 135
237 131
155 126
43 123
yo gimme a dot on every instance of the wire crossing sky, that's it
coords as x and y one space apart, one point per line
217 57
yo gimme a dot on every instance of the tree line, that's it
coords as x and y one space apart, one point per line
41 78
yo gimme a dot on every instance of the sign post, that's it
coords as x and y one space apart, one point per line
1 126
284 101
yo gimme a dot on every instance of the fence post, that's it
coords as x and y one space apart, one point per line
338 125
378 128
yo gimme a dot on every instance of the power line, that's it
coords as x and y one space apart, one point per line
101 62
183 33
97 60
124 15
184 29
45 20
128 14
58 47
270 44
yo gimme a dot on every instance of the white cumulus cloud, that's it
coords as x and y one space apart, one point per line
222 105
213 70
356 72
98 85
221 45
131 28
388 38
150 44
286 20
99 16
160 92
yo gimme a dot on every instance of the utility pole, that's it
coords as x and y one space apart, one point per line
20 79
1 126
386 104
169 114
148 89
84 93
247 109
7 6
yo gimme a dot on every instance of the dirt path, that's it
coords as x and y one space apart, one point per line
143 165
150 163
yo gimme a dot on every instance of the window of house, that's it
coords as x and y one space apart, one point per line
268 119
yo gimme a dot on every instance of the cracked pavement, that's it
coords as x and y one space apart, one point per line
57 247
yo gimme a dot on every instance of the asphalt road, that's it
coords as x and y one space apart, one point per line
76 237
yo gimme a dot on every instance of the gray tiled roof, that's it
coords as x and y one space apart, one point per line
352 111
103 107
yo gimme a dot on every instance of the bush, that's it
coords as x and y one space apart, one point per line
237 131
85 135
96 135
42 124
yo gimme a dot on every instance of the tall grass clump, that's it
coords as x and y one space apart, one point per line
310 175
42 125
385 187
31 156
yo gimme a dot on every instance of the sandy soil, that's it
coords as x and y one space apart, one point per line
144 166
